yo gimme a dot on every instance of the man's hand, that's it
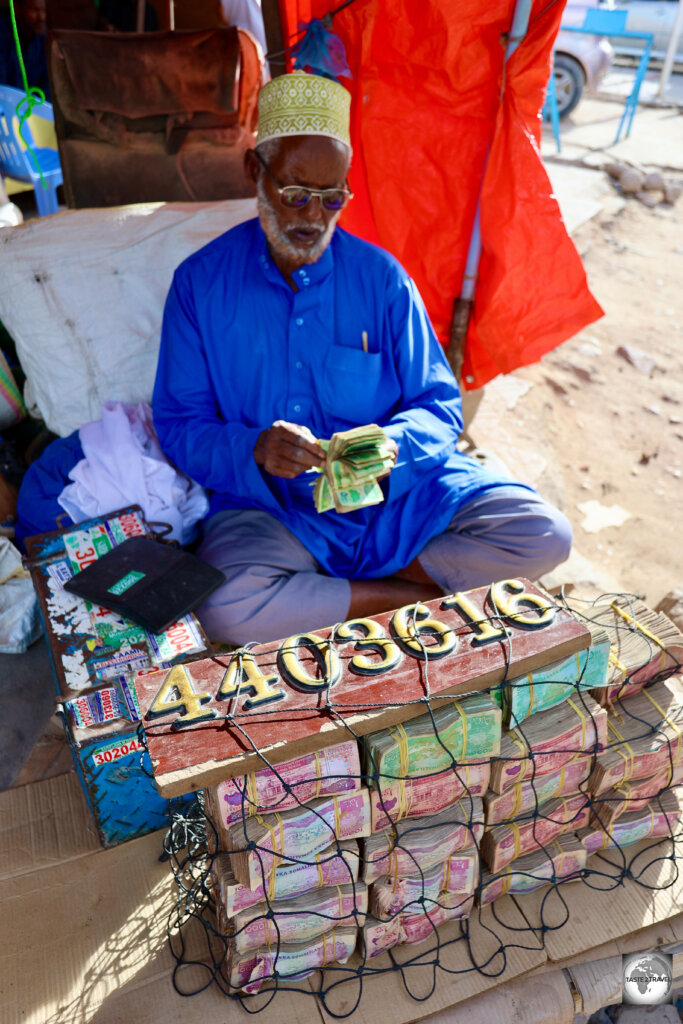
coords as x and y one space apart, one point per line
392 447
287 449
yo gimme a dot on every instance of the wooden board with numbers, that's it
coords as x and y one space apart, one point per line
208 720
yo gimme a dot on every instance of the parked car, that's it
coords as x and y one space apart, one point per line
655 16
581 61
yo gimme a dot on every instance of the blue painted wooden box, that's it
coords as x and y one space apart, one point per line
95 655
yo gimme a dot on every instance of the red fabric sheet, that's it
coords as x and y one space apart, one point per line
430 98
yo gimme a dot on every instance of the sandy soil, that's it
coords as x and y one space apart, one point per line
610 432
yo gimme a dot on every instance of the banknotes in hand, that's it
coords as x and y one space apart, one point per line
353 462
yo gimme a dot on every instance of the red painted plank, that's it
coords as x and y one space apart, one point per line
188 752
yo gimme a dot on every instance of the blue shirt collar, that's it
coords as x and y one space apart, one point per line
309 274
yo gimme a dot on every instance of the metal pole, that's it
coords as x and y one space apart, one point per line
671 51
171 15
140 20
463 304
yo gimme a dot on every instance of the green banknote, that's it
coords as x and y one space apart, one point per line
354 461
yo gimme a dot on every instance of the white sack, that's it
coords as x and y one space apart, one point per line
123 465
82 295
19 612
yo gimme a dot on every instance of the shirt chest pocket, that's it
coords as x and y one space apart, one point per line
355 387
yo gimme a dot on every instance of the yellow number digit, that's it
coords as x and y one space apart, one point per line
411 623
176 694
243 676
372 640
324 656
484 631
510 599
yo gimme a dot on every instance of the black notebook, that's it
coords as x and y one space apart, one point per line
150 583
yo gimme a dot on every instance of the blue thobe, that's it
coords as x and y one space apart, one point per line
240 349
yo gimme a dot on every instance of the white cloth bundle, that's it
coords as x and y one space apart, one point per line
124 465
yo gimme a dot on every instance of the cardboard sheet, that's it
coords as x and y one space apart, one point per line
597 917
457 980
44 825
528 1000
83 938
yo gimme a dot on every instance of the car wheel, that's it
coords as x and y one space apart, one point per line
568 83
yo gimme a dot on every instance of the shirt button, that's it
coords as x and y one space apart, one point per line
299 365
298 321
297 408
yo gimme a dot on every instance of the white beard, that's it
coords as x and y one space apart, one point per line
279 240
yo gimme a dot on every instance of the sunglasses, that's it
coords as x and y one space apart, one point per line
295 197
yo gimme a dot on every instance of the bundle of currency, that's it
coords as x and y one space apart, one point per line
562 860
461 730
505 843
260 845
644 645
297 920
548 740
445 884
524 796
354 460
412 846
415 798
333 770
249 971
378 936
628 797
658 818
330 867
551 685
643 736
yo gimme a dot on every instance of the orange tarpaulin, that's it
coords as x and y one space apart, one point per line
431 95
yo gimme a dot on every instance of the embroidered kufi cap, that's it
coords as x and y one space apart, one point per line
303 104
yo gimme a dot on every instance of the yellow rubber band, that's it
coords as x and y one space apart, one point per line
404 803
532 700
446 876
252 793
639 626
274 847
395 886
337 818
517 792
321 874
463 719
664 715
319 773
619 664
628 750
514 828
403 751
521 745
582 719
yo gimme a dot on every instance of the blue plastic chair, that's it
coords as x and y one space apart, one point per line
600 22
550 110
16 162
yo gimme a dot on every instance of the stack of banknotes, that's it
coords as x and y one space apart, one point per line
285 864
354 460
644 646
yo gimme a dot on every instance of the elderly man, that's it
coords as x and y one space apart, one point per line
287 329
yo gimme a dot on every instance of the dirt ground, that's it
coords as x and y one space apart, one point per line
609 431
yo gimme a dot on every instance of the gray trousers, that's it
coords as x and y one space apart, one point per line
275 588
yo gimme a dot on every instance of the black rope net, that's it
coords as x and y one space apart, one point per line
455 827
